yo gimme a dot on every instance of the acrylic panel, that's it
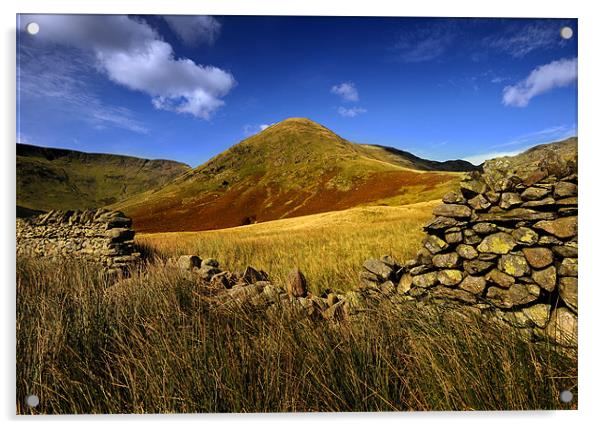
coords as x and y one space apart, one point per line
221 214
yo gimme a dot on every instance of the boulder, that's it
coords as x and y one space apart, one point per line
539 314
369 279
251 275
568 291
470 237
379 268
423 257
476 266
453 198
210 262
479 203
434 244
453 237
499 278
525 236
466 251
533 193
470 188
332 299
516 214
547 240
473 284
119 222
568 250
296 285
562 327
568 267
517 294
425 280
441 222
538 257
499 243
405 284
446 260
485 228
456 211
545 278
509 200
440 292
546 202
207 272
565 189
493 197
449 277
514 265
564 227
120 234
188 262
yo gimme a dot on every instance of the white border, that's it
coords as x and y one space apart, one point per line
590 97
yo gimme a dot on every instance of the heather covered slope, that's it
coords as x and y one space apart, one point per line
64 179
293 168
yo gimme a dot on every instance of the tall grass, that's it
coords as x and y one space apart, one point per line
329 248
154 344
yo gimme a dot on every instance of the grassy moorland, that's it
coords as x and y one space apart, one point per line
153 344
67 179
329 248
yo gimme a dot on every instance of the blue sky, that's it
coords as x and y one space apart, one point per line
187 88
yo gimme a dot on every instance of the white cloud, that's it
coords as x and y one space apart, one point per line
347 91
192 29
351 112
132 54
252 129
542 79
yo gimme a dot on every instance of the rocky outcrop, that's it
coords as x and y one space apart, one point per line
504 245
101 236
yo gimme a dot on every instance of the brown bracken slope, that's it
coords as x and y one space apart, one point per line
296 167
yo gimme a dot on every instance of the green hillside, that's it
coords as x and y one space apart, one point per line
50 178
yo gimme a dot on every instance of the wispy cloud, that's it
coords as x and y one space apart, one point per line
425 42
524 142
478 159
542 79
347 91
351 112
541 136
132 54
192 30
50 77
519 39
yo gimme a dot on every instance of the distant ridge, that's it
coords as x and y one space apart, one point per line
295 167
50 178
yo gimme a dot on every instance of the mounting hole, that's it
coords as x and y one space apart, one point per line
566 396
566 32
32 28
32 401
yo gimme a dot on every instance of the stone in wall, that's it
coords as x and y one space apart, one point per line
517 258
100 236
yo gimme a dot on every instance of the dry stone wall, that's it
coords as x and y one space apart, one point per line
99 236
504 245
